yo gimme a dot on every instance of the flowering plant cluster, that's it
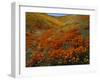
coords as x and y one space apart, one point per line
71 48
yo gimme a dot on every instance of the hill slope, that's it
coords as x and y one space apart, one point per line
41 21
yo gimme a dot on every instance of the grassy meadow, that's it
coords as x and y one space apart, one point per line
56 39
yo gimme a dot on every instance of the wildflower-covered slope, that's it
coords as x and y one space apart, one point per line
56 40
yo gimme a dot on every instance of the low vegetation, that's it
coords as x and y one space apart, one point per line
56 40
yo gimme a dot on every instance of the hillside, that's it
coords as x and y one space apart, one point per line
75 21
41 21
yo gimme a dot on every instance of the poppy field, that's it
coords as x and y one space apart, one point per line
54 39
